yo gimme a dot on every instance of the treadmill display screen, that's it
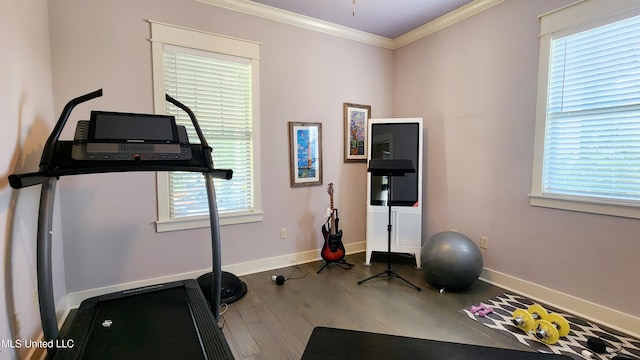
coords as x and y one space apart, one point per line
125 127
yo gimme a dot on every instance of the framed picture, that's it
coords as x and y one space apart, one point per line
355 132
305 153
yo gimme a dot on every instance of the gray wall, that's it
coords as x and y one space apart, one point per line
475 85
26 118
108 220
473 82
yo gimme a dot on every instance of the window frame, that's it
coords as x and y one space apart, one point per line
573 18
164 34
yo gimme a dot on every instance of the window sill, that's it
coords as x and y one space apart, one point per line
587 205
203 221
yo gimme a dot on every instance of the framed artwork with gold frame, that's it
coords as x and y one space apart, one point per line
355 132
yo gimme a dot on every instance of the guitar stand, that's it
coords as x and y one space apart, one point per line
390 168
341 264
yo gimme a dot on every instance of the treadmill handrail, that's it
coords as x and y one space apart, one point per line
49 146
203 141
19 181
47 168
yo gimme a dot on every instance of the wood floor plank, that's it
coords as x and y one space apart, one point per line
267 341
275 322
246 344
285 332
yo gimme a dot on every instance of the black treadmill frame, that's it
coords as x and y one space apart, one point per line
56 161
210 336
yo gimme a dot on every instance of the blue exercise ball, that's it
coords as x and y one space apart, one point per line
451 261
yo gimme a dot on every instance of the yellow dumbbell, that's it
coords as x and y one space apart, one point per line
526 319
551 328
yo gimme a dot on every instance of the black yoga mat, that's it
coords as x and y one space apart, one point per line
330 344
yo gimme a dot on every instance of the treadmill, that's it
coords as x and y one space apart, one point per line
165 321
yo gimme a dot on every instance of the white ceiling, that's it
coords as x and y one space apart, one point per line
387 18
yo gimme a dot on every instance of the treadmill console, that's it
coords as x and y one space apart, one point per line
126 136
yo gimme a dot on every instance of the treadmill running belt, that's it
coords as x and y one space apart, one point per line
133 327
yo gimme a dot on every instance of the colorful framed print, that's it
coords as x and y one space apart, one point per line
305 153
355 132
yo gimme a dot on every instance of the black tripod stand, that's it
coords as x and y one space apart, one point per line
390 168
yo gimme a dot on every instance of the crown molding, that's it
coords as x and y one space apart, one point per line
307 22
463 12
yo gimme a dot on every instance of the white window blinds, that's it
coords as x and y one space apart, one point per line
592 136
217 88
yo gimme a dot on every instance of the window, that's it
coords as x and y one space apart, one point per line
587 155
217 78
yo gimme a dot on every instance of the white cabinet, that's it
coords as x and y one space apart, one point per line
406 231
399 139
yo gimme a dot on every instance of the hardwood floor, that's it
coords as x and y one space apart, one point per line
275 322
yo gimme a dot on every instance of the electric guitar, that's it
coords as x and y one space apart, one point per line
333 249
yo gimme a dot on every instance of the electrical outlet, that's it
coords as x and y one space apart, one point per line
484 242
283 233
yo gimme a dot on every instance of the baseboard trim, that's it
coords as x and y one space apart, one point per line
588 310
251 267
591 311
72 300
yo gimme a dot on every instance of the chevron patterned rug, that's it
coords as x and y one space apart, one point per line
572 345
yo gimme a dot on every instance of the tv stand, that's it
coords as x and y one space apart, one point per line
395 138
390 169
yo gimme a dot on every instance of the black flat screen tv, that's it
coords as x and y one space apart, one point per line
395 141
